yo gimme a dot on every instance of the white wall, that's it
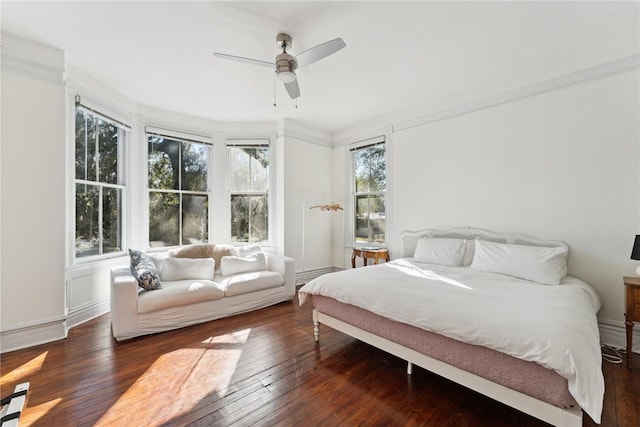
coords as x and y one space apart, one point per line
308 182
33 192
339 227
560 165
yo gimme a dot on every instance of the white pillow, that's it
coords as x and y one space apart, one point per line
245 251
158 260
441 251
235 264
534 263
187 268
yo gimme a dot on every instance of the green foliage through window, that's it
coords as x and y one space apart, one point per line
178 191
249 192
370 181
99 184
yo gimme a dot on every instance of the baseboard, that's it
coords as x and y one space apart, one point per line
303 277
86 312
34 333
613 333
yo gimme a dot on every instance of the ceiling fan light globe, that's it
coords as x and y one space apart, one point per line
286 76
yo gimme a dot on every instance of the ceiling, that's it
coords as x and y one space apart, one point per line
403 58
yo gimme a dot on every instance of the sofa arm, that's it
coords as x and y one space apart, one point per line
124 303
285 266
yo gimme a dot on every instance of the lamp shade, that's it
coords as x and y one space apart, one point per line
635 252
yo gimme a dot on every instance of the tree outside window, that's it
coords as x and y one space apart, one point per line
249 192
370 180
178 191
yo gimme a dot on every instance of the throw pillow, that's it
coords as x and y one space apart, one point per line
235 264
144 270
247 250
204 251
187 268
220 251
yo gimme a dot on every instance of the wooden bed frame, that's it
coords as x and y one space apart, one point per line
568 417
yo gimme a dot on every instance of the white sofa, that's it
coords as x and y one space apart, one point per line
189 301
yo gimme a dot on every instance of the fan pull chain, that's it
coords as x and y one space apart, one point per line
274 88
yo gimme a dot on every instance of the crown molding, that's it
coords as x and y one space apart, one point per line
290 129
586 74
32 59
398 123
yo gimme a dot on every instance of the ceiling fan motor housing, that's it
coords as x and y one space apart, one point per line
285 62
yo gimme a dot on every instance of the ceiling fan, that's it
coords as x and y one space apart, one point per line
286 65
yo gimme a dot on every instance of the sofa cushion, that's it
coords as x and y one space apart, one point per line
235 264
144 270
187 268
179 293
249 282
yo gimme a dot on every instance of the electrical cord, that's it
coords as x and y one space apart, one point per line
611 354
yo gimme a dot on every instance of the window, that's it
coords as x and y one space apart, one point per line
178 191
99 183
368 165
248 166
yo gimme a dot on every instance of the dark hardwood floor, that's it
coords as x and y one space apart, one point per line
260 368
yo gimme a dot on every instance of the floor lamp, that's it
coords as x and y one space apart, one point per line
330 207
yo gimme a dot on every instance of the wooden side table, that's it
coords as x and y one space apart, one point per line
376 254
632 310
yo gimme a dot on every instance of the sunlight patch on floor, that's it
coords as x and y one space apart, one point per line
32 414
181 378
24 371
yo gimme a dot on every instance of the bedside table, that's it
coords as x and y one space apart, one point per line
376 254
632 310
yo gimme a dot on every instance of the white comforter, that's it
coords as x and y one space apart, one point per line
554 326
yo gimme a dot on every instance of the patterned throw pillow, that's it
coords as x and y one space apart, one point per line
143 268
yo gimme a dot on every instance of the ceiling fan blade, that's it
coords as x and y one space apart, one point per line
320 51
243 59
293 89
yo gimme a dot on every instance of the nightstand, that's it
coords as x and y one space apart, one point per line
632 310
376 254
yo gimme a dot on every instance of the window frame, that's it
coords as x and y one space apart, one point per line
180 137
124 132
354 194
250 143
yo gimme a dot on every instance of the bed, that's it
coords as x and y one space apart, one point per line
493 312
